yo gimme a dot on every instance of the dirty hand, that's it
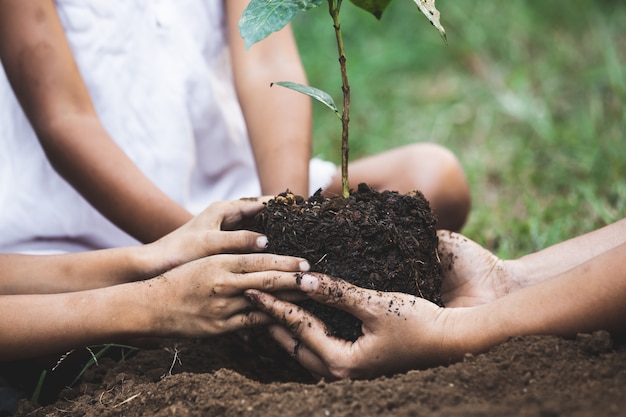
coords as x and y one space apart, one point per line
471 274
400 331
212 232
206 297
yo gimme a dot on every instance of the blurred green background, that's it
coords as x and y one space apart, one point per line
529 95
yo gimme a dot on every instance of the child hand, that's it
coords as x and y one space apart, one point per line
205 297
213 231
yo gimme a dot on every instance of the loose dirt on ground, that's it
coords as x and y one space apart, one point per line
530 376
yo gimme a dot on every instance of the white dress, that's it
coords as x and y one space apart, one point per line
160 79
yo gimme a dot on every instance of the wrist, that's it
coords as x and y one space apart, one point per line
521 275
103 315
150 260
474 330
132 310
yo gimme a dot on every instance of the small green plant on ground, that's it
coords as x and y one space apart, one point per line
95 353
262 17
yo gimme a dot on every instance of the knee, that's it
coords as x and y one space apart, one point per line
447 189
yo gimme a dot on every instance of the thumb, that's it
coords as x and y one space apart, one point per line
340 294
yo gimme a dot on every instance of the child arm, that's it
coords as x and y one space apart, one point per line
45 78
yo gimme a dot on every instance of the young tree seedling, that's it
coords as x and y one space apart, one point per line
262 17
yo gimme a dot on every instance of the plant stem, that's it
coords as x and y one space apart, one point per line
334 6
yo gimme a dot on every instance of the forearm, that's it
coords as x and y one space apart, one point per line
279 125
35 325
45 78
214 231
586 298
49 274
84 155
557 259
279 120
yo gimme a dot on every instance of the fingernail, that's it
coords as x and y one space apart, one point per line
309 282
261 242
304 266
252 295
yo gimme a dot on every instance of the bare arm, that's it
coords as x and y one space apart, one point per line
279 121
591 296
199 299
49 274
211 232
556 259
42 71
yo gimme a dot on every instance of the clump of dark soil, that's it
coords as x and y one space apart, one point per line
377 240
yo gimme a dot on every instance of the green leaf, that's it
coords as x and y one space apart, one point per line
262 17
430 11
375 7
319 95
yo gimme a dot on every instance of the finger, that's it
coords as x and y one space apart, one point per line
283 285
243 264
240 241
302 324
230 306
247 320
226 307
227 214
362 303
448 244
240 210
309 360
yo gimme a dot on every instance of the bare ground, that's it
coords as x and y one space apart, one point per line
531 376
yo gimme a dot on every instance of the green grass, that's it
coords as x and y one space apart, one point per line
530 95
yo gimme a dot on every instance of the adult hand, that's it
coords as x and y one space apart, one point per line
205 297
212 232
400 331
471 274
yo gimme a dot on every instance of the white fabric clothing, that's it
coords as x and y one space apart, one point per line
160 79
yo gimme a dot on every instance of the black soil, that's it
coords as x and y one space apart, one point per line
377 240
